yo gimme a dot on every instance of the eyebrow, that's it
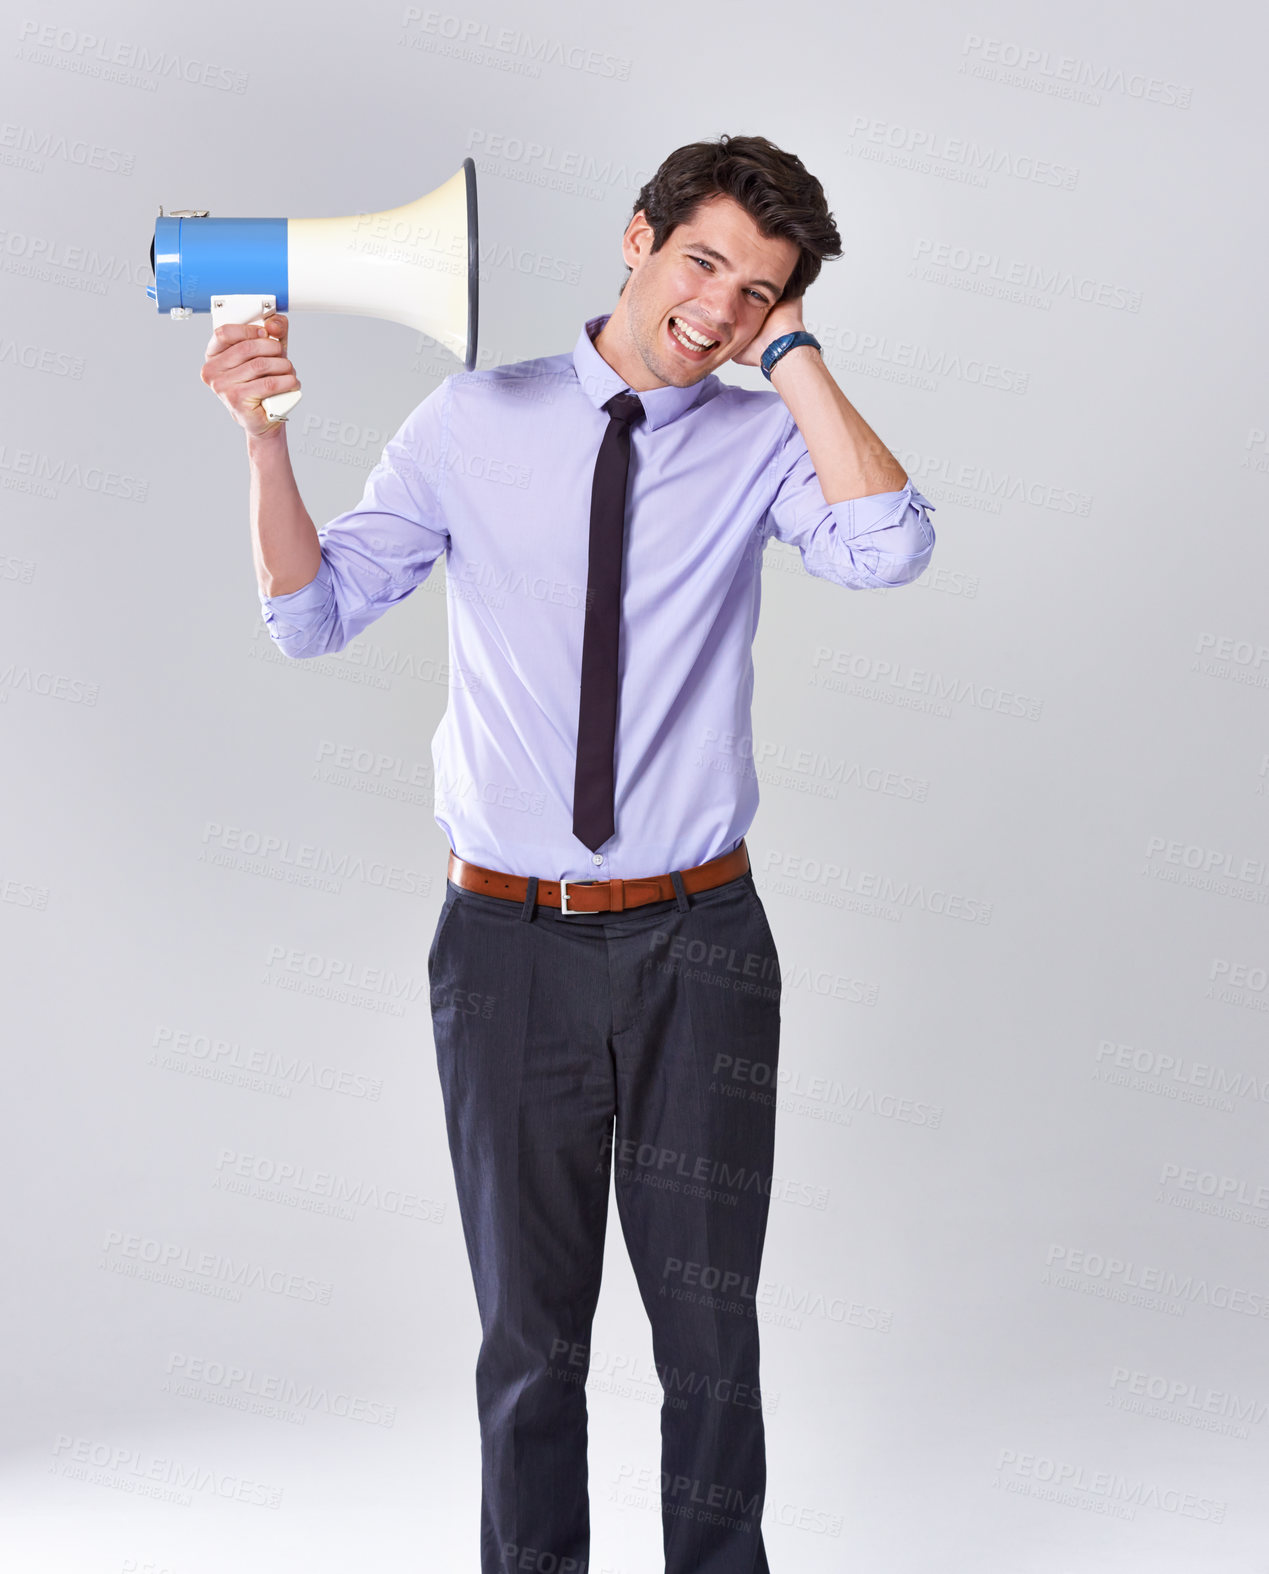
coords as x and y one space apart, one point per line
717 256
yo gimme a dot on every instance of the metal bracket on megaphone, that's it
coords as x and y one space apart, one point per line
418 265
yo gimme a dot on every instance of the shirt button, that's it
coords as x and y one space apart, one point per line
597 858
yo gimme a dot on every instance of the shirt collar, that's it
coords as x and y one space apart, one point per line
599 381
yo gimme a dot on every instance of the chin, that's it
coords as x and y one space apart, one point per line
674 372
680 376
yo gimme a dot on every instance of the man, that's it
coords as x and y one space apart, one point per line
602 955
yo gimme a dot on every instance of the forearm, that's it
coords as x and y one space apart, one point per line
284 540
850 459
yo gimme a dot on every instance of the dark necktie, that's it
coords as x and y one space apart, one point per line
597 714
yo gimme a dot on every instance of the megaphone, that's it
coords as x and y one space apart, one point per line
416 265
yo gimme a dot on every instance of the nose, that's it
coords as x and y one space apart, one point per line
725 305
718 311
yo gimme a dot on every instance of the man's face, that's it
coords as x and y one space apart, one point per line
716 278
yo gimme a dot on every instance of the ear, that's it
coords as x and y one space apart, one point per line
636 243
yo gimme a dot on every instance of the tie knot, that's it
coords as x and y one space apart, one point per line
625 406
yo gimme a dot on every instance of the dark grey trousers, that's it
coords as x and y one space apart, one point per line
644 1042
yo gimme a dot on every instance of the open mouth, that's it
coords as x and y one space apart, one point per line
689 340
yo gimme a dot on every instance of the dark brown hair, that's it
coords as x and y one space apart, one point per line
775 189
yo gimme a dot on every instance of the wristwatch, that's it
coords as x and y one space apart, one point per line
782 346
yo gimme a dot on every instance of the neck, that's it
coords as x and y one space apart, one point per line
615 343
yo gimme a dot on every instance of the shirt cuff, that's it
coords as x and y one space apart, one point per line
860 515
298 610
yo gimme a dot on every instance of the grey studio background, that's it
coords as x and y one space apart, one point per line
1012 840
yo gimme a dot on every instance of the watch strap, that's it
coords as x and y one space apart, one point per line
782 346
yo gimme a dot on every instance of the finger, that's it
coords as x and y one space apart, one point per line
265 387
232 333
258 369
241 338
243 353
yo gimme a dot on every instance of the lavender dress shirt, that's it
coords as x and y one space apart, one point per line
494 470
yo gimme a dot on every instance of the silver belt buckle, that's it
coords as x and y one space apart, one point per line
570 912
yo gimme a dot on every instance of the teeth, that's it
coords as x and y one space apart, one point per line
690 336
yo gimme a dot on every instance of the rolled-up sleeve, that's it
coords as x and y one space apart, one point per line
375 554
867 543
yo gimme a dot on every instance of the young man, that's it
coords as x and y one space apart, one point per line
603 513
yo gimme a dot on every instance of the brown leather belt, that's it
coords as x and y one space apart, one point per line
600 896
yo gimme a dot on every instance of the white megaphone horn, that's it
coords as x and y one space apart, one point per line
417 265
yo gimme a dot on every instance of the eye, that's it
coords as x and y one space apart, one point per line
757 294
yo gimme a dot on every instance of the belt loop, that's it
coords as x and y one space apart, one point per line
530 898
680 894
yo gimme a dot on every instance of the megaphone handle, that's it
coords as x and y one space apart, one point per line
250 311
